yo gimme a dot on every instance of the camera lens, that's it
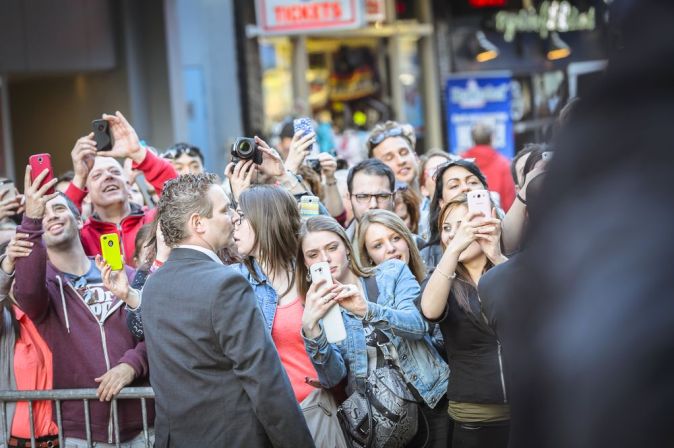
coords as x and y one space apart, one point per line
111 243
101 127
39 160
245 148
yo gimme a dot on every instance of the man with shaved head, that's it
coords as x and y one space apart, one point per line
102 177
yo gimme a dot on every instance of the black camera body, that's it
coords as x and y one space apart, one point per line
245 148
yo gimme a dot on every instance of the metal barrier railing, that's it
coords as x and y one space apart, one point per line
59 395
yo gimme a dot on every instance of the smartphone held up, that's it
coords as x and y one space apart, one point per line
479 202
102 136
111 252
38 163
333 324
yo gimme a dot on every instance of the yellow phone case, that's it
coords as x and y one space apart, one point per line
111 251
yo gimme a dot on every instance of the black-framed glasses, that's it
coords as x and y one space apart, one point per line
238 216
376 139
365 198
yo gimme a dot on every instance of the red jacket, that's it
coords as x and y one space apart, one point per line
157 172
496 168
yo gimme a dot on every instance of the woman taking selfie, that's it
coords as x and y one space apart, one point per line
452 179
266 225
385 333
478 402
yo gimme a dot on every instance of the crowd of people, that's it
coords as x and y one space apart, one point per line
217 309
399 316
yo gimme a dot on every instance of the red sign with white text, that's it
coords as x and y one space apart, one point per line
301 16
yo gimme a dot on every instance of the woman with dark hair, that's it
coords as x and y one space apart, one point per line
478 402
25 361
384 328
265 234
407 204
452 179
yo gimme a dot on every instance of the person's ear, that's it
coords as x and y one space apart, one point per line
441 203
196 223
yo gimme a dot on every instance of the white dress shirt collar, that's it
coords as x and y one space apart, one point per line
203 250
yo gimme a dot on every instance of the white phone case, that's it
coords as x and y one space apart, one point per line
479 201
333 324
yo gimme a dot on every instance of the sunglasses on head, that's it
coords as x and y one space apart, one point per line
175 153
449 163
380 137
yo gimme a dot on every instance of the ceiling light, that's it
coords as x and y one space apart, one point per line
486 51
557 48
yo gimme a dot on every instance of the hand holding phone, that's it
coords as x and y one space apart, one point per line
38 163
111 251
102 136
333 324
305 125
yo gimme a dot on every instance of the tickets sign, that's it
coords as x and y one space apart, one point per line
302 16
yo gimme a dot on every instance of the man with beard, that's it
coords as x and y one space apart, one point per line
84 324
102 177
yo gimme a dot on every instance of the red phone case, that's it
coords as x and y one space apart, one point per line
38 163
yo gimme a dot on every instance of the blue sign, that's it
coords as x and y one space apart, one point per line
479 98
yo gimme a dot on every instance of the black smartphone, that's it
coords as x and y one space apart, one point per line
102 135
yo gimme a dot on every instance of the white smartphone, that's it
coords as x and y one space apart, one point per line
333 324
479 202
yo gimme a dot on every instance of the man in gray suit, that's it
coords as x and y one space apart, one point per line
214 369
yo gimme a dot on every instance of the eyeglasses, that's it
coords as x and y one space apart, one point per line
376 139
238 216
365 198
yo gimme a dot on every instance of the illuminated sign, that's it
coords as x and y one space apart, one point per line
486 3
301 16
551 16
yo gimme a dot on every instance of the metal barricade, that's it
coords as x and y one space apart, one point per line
59 395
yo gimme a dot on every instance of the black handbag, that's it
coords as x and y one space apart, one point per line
382 412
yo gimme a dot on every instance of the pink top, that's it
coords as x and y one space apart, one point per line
290 346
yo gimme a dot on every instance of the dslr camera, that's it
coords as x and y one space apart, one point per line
245 148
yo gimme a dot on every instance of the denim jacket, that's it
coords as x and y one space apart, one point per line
395 314
267 297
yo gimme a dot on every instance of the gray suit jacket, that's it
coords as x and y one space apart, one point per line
213 366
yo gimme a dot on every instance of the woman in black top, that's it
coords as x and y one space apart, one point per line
478 401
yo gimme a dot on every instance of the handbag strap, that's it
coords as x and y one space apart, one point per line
371 288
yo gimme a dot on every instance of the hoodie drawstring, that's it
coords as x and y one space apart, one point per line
63 303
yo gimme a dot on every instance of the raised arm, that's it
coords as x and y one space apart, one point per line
30 288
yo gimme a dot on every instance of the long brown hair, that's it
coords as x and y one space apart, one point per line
463 284
323 224
275 218
391 221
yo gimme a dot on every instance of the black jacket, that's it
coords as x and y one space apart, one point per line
473 355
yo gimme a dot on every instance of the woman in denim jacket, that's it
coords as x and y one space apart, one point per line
393 313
